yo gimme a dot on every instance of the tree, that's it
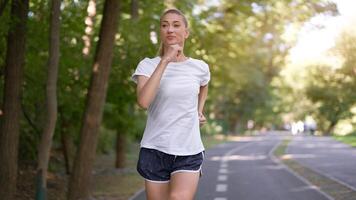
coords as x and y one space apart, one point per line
332 93
134 9
121 114
10 122
121 136
80 180
250 35
332 89
51 95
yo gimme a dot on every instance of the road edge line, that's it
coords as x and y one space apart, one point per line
278 162
326 175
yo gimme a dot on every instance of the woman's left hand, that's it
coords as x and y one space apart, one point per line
202 119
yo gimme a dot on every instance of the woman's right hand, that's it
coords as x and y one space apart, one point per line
172 53
202 119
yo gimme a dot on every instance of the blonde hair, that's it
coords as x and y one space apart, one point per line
174 11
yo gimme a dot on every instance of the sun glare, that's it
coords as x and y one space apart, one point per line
318 35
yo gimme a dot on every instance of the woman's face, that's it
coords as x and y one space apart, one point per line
173 29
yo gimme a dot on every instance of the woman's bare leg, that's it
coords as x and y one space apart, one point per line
183 185
156 191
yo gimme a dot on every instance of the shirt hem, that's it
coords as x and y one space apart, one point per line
176 153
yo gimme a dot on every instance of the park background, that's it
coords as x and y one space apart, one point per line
272 63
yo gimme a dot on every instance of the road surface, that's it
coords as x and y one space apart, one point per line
247 170
327 156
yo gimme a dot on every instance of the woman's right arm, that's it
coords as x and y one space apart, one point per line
147 87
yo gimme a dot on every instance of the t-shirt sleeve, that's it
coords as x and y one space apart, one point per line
205 78
144 68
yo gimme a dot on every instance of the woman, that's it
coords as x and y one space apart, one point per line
173 88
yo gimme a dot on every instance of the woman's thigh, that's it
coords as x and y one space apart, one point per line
156 191
183 185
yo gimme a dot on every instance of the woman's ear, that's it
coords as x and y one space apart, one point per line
186 33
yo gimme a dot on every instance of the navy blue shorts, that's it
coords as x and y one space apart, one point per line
157 166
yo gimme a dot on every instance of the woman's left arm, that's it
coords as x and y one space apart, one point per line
202 98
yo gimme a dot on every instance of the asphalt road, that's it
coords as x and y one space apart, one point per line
251 173
247 170
326 156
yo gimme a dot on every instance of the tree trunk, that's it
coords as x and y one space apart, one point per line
67 145
331 128
120 150
80 180
233 121
134 9
51 92
10 122
67 149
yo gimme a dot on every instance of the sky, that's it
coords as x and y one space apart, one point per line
313 44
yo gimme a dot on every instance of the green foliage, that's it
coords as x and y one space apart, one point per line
4 25
241 42
106 142
132 45
33 94
333 90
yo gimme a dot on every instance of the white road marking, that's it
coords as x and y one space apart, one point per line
223 171
222 178
223 165
221 187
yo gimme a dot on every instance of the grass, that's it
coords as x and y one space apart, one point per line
281 149
117 186
330 187
210 141
120 184
348 139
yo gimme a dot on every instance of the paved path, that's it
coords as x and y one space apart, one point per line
326 156
246 170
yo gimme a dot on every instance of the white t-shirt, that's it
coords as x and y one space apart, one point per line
173 123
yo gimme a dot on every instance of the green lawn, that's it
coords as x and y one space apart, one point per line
348 139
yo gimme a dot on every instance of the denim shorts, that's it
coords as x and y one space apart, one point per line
157 166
